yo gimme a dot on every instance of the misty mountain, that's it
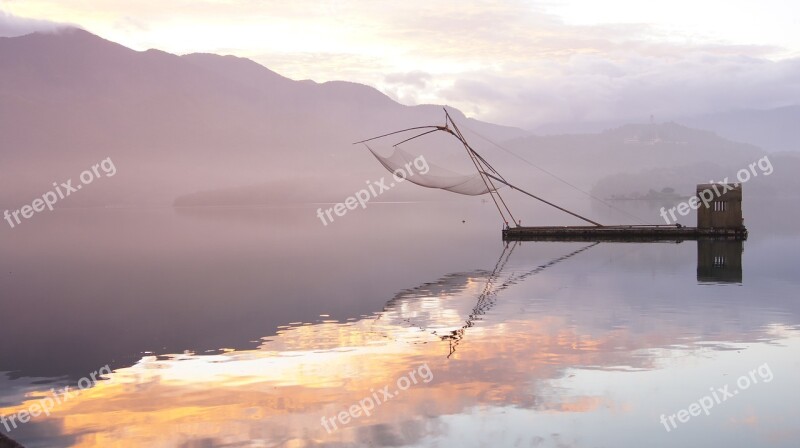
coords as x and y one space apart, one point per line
179 124
770 129
587 159
220 130
621 161
776 177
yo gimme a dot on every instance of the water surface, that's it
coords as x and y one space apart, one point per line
249 327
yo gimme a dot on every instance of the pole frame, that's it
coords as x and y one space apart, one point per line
482 166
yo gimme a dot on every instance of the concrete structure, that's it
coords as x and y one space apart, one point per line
724 211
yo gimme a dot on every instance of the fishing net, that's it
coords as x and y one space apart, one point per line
420 172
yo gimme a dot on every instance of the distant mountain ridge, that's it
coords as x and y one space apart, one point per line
633 147
178 124
209 129
630 159
771 129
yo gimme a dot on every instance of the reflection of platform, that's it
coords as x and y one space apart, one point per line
719 261
719 256
621 233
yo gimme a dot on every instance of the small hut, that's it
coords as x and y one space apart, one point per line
724 211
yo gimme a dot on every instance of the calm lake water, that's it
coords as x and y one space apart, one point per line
262 327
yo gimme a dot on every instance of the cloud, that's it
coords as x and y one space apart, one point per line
322 66
511 61
13 26
132 24
406 87
591 88
416 78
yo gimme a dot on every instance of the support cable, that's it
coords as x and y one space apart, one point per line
630 215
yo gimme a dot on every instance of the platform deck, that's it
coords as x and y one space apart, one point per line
620 233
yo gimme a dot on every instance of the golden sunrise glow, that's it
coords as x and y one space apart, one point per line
496 60
309 371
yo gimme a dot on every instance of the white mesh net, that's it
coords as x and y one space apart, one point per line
430 175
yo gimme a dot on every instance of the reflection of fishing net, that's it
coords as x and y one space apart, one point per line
429 175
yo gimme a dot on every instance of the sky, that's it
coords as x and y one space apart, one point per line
523 63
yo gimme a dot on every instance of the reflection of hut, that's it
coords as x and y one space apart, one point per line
724 211
719 261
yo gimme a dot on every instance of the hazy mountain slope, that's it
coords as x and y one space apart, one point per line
779 181
621 161
771 129
586 158
774 129
236 132
179 124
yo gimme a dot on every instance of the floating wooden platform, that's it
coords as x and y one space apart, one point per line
620 233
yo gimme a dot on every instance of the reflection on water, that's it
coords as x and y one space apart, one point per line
719 261
529 344
494 284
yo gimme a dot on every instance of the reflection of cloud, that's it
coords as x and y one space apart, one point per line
580 404
780 436
750 419
280 391
515 357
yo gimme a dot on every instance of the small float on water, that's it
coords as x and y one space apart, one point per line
719 217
